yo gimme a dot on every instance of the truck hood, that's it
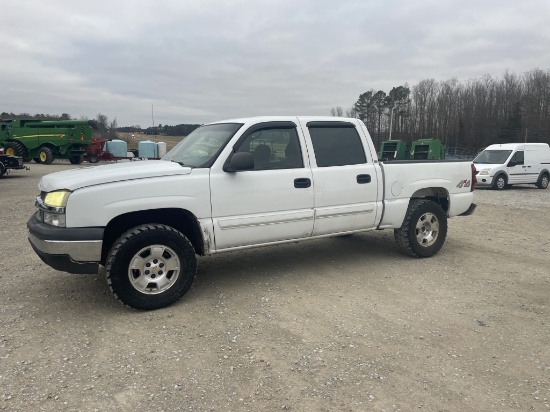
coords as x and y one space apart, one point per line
89 176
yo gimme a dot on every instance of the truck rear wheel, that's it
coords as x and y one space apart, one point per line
151 266
93 158
424 229
45 155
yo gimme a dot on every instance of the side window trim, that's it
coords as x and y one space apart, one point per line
330 124
263 126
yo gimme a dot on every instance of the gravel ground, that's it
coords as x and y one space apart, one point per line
340 324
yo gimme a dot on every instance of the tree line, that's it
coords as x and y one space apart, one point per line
470 114
177 130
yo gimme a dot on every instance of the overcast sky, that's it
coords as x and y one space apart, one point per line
206 60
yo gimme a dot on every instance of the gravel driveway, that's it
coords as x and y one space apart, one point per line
340 324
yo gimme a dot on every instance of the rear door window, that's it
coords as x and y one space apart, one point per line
336 144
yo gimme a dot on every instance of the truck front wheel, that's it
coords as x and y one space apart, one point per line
424 229
151 266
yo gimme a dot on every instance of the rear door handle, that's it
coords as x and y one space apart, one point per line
363 179
302 183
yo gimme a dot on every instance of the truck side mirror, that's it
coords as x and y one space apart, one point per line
511 163
240 161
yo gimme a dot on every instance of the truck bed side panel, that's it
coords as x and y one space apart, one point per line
404 180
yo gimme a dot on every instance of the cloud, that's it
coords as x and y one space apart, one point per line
200 61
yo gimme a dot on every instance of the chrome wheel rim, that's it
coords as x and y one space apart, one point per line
544 182
500 182
427 229
154 269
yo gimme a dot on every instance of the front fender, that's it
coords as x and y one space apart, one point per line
98 205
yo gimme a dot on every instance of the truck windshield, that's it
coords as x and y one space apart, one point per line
492 157
202 146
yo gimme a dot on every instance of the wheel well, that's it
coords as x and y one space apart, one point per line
501 174
438 195
179 219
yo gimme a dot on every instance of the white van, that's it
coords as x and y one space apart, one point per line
502 165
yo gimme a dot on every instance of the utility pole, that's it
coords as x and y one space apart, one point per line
391 120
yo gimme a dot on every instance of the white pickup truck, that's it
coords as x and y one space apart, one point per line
239 184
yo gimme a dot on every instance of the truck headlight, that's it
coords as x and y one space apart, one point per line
484 172
52 207
57 199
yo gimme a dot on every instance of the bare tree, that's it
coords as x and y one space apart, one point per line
337 111
113 129
102 125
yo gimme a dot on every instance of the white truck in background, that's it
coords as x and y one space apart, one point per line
503 165
239 184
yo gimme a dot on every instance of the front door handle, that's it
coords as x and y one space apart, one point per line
363 179
302 183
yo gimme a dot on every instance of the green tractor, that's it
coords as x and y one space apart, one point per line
46 140
428 149
394 150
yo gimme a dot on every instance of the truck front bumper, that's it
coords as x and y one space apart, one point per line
73 250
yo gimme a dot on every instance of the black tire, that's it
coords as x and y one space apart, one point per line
2 169
542 183
150 248
500 182
45 155
15 149
93 158
36 159
75 160
424 229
